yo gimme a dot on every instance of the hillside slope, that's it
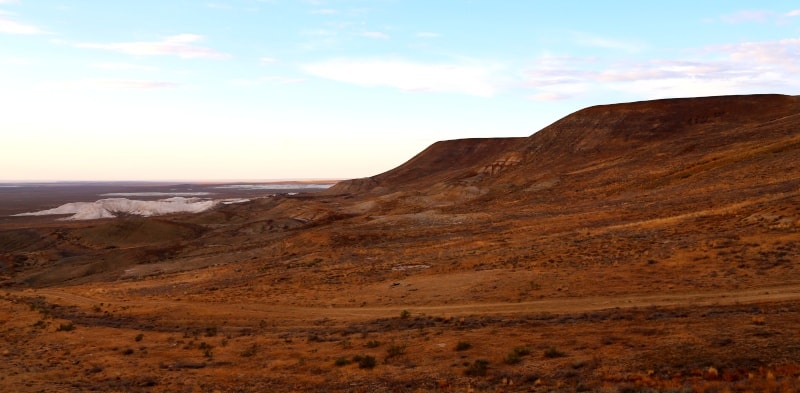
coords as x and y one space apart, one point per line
648 246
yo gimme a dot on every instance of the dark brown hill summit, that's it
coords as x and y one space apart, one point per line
607 150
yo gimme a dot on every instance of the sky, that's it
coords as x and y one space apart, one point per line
337 89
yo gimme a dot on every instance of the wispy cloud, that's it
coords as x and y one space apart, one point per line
318 33
267 60
182 45
123 67
281 80
325 11
770 66
132 84
747 16
596 41
16 61
427 34
110 84
219 6
550 96
758 16
471 79
783 53
375 34
9 25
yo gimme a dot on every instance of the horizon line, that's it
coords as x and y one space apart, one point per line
207 181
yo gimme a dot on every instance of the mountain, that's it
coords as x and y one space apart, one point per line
672 148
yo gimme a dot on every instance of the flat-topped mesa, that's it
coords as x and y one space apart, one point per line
632 124
636 132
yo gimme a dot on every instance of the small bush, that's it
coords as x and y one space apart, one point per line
463 346
65 327
522 351
477 368
211 331
249 352
373 344
367 362
512 358
405 314
579 364
138 337
342 361
128 351
395 350
553 352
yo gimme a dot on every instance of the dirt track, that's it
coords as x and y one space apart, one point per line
558 305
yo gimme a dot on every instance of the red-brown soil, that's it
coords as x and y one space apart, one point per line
641 247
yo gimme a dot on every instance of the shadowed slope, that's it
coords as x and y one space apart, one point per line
443 161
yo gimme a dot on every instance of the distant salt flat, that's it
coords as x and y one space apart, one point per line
114 207
155 194
281 186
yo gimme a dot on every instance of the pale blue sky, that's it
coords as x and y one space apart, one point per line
275 89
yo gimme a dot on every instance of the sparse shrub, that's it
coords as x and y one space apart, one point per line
579 364
477 368
128 351
65 327
224 342
395 350
346 344
405 314
512 358
522 351
138 337
211 331
250 351
96 308
40 324
463 346
553 352
367 362
373 344
342 361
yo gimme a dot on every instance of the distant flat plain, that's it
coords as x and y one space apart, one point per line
24 197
